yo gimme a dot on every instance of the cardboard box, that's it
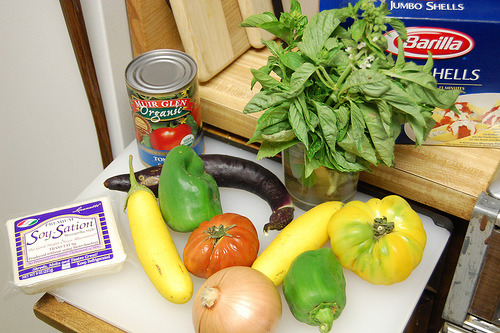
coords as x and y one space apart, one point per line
463 38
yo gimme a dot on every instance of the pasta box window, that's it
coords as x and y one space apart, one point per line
463 39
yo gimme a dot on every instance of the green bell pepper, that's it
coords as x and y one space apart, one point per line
186 193
314 288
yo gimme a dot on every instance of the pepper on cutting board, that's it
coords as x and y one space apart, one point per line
314 288
187 194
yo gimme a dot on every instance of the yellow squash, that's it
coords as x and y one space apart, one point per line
154 245
307 232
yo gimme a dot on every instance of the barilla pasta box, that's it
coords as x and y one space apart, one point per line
462 36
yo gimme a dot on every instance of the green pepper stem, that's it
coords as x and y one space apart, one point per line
325 317
381 227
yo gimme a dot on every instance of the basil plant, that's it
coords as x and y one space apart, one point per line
330 84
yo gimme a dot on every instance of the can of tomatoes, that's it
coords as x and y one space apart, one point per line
162 86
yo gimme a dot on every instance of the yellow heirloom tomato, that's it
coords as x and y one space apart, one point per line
382 240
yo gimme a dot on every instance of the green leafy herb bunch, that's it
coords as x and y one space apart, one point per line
330 84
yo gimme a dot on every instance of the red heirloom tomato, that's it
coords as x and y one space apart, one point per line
226 240
166 138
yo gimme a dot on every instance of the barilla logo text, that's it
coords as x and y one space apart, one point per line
442 43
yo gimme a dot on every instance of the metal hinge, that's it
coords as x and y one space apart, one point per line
481 225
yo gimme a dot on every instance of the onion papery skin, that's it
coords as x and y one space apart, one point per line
247 301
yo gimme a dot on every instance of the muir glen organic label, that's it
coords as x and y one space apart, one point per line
162 87
161 124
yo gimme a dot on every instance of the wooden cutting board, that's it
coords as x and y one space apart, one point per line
152 26
252 7
210 33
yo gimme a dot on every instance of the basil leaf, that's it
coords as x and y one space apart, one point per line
368 82
385 115
295 7
267 81
399 26
361 147
271 149
358 30
357 121
298 122
429 64
399 99
346 162
273 47
292 60
327 123
422 86
257 19
317 33
383 143
300 77
264 100
283 135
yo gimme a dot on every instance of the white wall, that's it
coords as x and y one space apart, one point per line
107 27
309 7
48 145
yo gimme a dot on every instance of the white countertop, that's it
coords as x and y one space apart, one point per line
129 301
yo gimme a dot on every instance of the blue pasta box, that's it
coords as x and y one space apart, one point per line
463 37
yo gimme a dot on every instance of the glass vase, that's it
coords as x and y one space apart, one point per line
322 185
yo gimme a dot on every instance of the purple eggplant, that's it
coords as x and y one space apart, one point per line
232 172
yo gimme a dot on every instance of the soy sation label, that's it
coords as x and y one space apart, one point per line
60 240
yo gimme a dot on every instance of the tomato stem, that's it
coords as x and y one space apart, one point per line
381 227
216 233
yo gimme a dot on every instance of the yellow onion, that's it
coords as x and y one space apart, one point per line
237 300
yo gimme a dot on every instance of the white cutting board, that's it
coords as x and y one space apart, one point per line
129 301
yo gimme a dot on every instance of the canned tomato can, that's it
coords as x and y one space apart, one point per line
162 86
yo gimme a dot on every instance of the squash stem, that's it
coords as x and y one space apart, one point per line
134 185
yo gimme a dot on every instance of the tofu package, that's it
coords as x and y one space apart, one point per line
461 35
55 247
